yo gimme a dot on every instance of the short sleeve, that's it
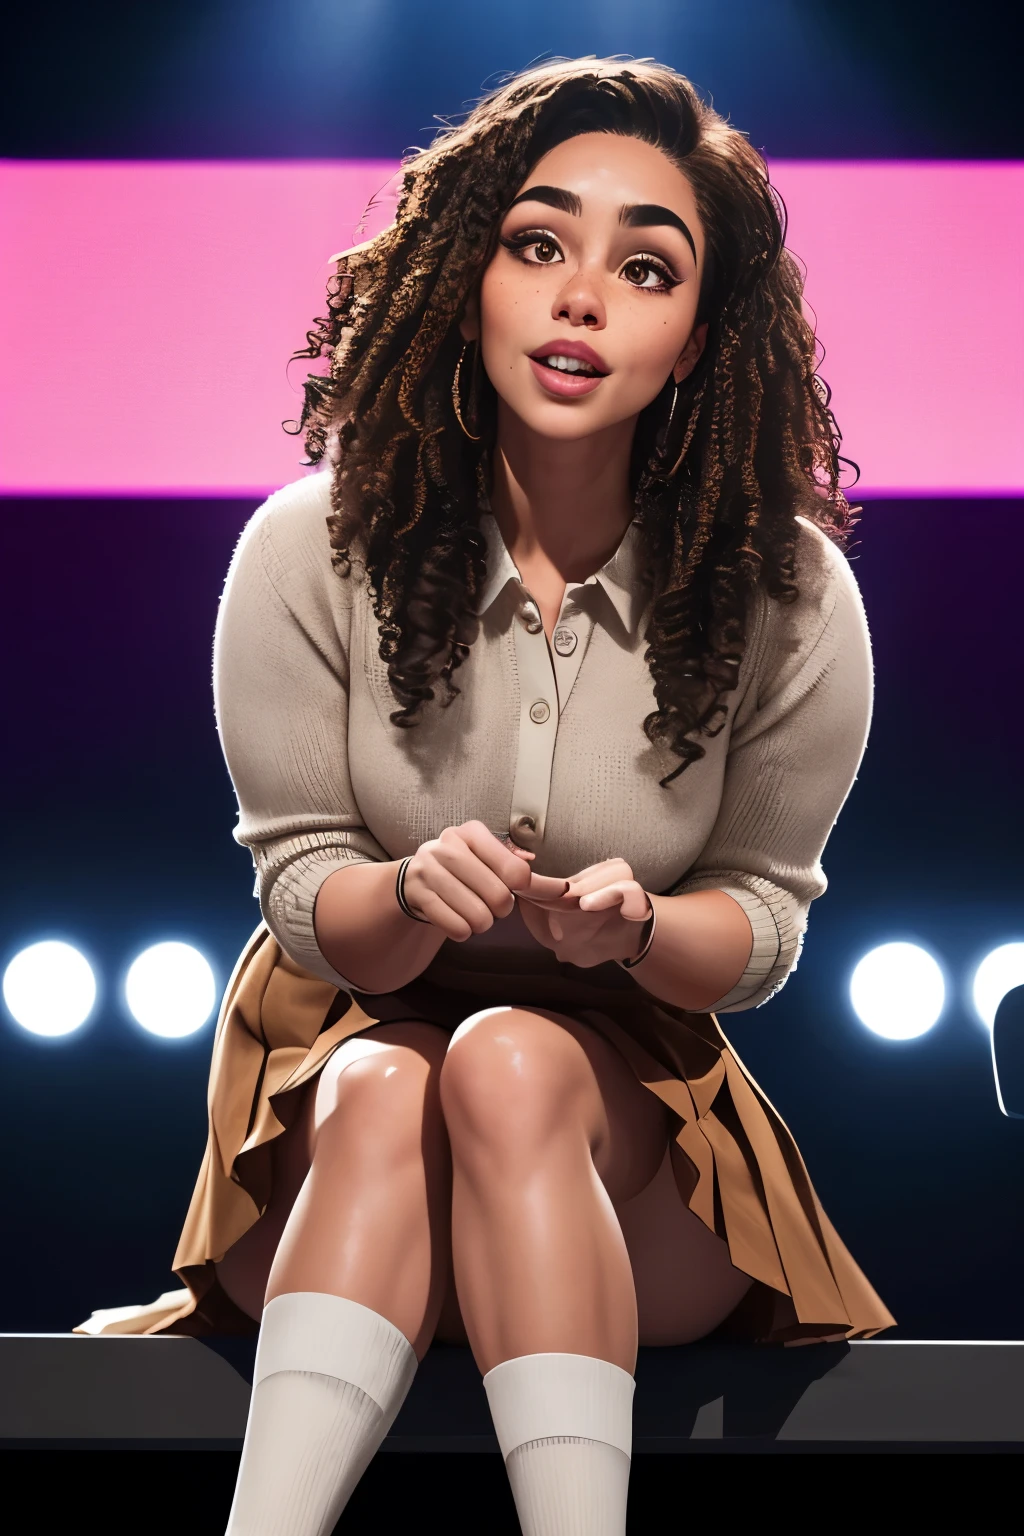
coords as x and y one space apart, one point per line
793 758
281 692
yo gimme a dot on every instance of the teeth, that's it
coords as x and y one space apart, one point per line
568 365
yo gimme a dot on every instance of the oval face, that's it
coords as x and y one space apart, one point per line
589 302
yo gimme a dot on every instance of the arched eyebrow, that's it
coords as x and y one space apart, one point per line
634 215
647 215
554 197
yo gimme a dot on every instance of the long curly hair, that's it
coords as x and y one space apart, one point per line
751 443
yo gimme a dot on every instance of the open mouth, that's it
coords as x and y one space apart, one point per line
574 365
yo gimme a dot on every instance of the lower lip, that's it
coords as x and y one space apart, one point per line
565 385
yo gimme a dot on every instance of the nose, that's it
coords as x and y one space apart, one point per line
580 301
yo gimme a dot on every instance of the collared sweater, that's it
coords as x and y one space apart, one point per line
544 742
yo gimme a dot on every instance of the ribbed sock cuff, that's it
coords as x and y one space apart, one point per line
540 1397
314 1331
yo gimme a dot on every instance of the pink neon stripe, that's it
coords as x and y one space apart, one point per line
147 311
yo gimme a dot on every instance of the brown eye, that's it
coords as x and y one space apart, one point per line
640 270
533 247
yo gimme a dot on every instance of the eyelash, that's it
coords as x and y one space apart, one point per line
517 244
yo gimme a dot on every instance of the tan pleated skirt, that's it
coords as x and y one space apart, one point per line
736 1165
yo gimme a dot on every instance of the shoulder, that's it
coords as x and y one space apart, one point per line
840 619
288 539
824 627
824 575
829 597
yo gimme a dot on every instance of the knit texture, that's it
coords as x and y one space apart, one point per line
564 1425
323 778
329 1379
309 1440
567 1486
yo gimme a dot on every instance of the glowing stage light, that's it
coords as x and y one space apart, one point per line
170 990
49 988
897 990
1001 970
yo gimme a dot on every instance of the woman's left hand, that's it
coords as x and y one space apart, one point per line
598 919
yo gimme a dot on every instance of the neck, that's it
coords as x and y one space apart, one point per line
569 501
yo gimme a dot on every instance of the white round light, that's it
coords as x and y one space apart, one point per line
897 990
49 988
170 990
1000 971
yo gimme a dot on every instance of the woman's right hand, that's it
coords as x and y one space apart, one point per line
466 878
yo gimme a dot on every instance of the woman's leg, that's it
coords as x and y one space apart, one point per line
549 1131
356 1282
548 1128
570 1232
360 1177
372 1219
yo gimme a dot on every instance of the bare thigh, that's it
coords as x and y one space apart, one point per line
685 1281
245 1268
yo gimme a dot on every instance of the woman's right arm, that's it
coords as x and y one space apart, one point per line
459 883
326 886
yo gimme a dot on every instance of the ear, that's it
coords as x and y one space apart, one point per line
690 356
469 325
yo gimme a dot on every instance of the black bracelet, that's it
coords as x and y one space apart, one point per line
400 892
645 948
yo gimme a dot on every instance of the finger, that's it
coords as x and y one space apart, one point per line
455 856
544 888
511 869
506 842
600 876
591 869
440 916
631 899
564 903
466 905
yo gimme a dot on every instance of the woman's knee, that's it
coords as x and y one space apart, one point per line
512 1077
382 1087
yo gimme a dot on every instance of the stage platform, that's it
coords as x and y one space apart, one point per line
68 1391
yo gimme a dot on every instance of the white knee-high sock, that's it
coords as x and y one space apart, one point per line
565 1427
330 1378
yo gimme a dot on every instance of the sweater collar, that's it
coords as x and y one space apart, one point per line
620 578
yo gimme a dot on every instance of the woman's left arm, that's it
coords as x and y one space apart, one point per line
729 934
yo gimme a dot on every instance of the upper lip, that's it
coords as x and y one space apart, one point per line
572 349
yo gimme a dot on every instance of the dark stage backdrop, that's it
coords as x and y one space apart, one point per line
121 835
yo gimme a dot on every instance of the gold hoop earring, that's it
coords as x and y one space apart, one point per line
691 427
456 402
672 411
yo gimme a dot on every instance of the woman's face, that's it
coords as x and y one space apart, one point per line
590 300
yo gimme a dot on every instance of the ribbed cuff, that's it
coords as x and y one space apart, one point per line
288 898
773 915
332 1336
544 1396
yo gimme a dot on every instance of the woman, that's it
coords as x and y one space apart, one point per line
540 704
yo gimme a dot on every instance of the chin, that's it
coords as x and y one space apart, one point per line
568 423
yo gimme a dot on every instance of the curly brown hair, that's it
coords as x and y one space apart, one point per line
752 441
